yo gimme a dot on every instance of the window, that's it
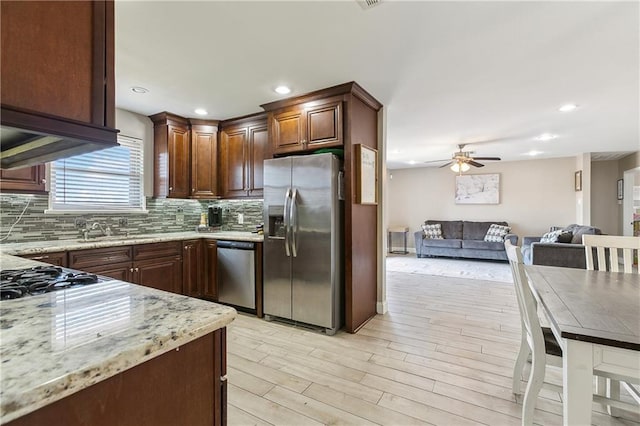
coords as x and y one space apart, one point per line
110 180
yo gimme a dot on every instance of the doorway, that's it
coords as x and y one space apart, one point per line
630 200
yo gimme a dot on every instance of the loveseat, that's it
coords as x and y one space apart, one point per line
564 249
461 238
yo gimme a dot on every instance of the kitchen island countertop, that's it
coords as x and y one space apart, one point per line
49 246
55 344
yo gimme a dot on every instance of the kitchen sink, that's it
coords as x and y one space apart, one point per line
117 238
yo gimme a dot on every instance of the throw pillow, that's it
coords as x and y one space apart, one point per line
433 232
551 237
496 233
565 237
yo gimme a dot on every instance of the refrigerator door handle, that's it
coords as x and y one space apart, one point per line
287 222
293 220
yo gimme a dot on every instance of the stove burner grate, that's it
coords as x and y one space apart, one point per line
16 283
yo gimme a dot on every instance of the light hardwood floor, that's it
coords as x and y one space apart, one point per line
442 355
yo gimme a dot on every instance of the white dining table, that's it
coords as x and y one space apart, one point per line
595 316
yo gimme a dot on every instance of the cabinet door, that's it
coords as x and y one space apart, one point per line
323 125
288 130
179 150
57 58
258 145
192 268
25 179
210 287
58 258
204 161
117 271
232 148
162 274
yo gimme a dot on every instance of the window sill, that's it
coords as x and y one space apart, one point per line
94 212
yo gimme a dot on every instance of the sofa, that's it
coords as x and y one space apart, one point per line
464 239
567 251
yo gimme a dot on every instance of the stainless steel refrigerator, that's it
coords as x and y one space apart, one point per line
303 279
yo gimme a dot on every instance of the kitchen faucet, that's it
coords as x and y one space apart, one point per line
104 229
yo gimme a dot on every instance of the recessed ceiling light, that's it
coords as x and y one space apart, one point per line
567 107
283 90
138 89
546 137
394 151
533 153
412 162
201 111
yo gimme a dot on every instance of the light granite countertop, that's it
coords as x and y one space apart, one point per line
55 344
37 247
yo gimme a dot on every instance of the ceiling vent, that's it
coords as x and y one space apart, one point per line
368 4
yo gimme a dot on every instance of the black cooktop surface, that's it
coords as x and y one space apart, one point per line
16 283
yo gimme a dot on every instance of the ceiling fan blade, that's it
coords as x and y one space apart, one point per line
475 163
437 161
446 165
488 158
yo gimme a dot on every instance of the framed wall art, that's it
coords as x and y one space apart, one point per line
478 189
620 189
366 168
577 181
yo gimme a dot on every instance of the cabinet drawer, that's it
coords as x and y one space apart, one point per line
58 258
81 259
157 250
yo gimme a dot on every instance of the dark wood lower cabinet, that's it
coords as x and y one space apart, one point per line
156 265
163 274
117 271
210 278
192 268
58 258
180 387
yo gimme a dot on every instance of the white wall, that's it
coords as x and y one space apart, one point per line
141 127
604 198
534 195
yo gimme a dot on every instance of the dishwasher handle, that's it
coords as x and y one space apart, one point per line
237 245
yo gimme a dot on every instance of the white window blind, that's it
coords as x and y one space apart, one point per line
106 180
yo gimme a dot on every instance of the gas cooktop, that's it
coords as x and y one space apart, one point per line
16 283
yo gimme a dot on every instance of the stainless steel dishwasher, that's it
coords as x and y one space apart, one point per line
237 273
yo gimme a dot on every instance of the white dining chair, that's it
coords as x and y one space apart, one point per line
615 245
536 341
612 251
540 343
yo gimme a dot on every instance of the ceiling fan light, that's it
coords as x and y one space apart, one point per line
455 167
465 167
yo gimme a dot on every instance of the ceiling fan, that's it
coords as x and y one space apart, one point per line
461 160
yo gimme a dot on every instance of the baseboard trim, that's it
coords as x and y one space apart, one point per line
381 308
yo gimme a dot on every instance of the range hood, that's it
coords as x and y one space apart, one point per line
28 138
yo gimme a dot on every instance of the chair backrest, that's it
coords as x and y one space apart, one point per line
526 302
614 245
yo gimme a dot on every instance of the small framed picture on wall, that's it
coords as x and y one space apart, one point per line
620 189
578 181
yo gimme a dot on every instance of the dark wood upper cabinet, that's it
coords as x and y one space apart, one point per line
58 73
171 151
204 159
244 145
185 154
26 179
308 126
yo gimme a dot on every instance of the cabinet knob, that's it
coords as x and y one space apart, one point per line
43 181
193 190
171 188
137 269
304 141
130 269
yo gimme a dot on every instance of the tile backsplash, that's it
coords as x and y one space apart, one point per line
164 215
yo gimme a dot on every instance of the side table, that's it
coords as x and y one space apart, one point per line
404 230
